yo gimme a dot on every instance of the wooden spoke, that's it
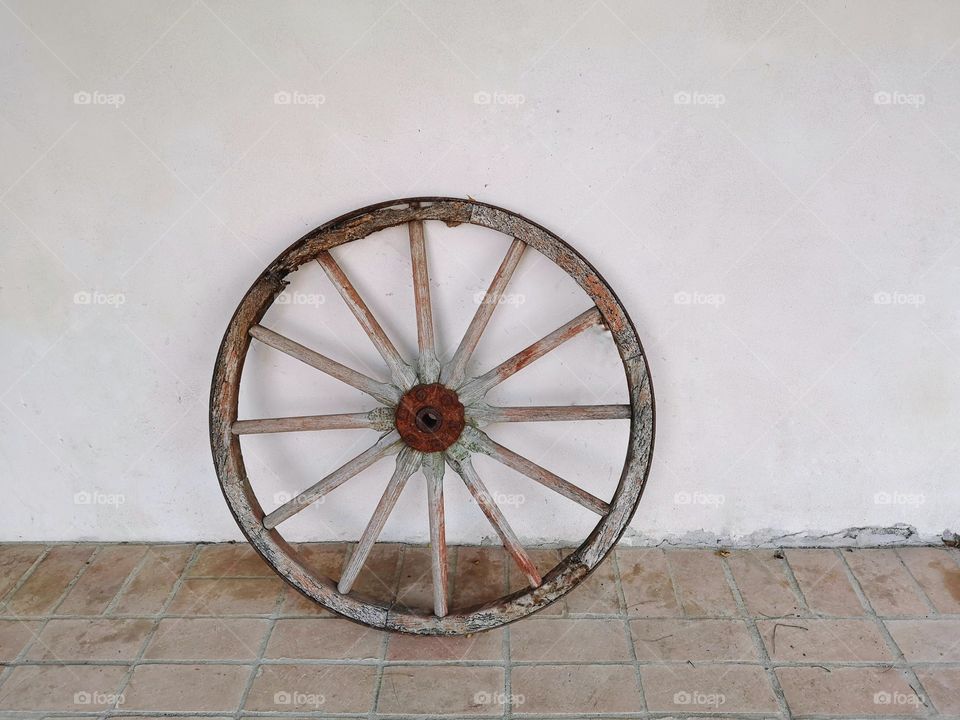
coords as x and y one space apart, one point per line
522 465
486 414
455 371
464 468
433 468
402 374
407 463
478 387
428 367
386 394
387 445
377 419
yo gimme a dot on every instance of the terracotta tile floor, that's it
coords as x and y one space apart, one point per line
210 631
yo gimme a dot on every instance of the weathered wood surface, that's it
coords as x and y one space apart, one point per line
482 414
480 386
377 419
387 445
433 470
408 460
403 375
454 372
285 559
387 394
428 366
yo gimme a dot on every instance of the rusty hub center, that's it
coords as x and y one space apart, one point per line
430 418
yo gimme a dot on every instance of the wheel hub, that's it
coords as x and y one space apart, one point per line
430 418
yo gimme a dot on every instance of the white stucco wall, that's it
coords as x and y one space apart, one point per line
784 237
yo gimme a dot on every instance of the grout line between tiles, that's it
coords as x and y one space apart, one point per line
631 648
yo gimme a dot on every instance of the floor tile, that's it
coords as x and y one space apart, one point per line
77 688
312 688
15 560
569 640
885 581
942 686
572 689
323 639
647 586
702 585
229 596
803 640
101 580
707 689
415 588
186 688
207 639
473 648
929 640
848 691
937 572
479 576
153 583
43 589
764 584
14 636
229 560
823 581
442 690
665 639
100 639
378 578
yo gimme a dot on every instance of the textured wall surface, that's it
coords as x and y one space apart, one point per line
770 187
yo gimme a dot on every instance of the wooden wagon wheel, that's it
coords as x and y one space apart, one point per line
431 415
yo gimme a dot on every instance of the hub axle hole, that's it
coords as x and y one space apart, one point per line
429 420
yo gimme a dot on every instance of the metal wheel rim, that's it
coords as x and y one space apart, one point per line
285 559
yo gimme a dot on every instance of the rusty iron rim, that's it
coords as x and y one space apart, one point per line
420 429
